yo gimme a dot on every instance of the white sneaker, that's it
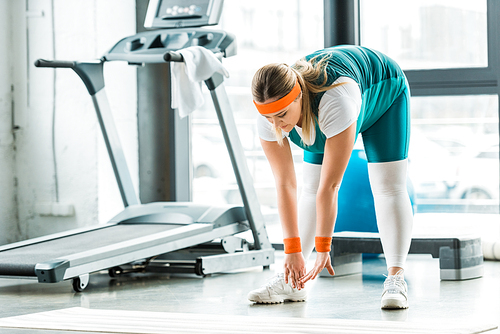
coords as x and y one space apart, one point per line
277 291
395 295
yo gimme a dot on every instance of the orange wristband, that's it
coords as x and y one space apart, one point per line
323 244
292 245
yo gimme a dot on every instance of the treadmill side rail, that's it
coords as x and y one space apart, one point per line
113 256
51 271
171 236
234 261
59 235
180 213
229 216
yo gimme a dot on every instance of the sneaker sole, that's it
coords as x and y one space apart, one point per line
276 301
394 304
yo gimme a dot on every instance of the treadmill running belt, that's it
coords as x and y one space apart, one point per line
21 261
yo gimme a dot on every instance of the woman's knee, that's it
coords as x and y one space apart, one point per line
388 178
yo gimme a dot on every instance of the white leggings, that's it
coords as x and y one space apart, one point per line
392 208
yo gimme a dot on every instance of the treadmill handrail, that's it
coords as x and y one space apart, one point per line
92 75
91 72
55 63
172 56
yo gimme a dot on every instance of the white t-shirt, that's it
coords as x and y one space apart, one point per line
338 109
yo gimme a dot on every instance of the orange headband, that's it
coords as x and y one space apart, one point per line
277 105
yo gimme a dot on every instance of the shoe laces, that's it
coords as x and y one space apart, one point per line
276 283
395 283
275 280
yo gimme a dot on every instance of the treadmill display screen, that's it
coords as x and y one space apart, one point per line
175 10
182 13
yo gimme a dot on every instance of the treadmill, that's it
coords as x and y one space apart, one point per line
162 236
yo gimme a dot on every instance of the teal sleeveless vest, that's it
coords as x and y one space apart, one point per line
379 78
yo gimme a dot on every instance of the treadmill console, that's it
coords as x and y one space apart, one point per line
150 46
182 13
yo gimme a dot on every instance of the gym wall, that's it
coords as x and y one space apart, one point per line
8 207
32 187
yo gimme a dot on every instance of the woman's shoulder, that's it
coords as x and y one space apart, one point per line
339 106
342 87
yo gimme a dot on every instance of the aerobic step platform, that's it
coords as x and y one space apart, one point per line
460 258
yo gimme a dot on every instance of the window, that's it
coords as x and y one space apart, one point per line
427 34
447 49
454 162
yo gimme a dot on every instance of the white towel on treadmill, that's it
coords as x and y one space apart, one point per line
199 65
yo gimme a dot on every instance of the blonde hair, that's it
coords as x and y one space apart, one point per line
274 81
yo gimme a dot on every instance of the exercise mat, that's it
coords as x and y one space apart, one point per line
118 321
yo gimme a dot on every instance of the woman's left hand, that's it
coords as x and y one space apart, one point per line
322 261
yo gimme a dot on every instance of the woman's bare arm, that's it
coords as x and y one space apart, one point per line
338 151
281 161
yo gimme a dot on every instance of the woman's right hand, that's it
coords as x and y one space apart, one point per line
294 269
